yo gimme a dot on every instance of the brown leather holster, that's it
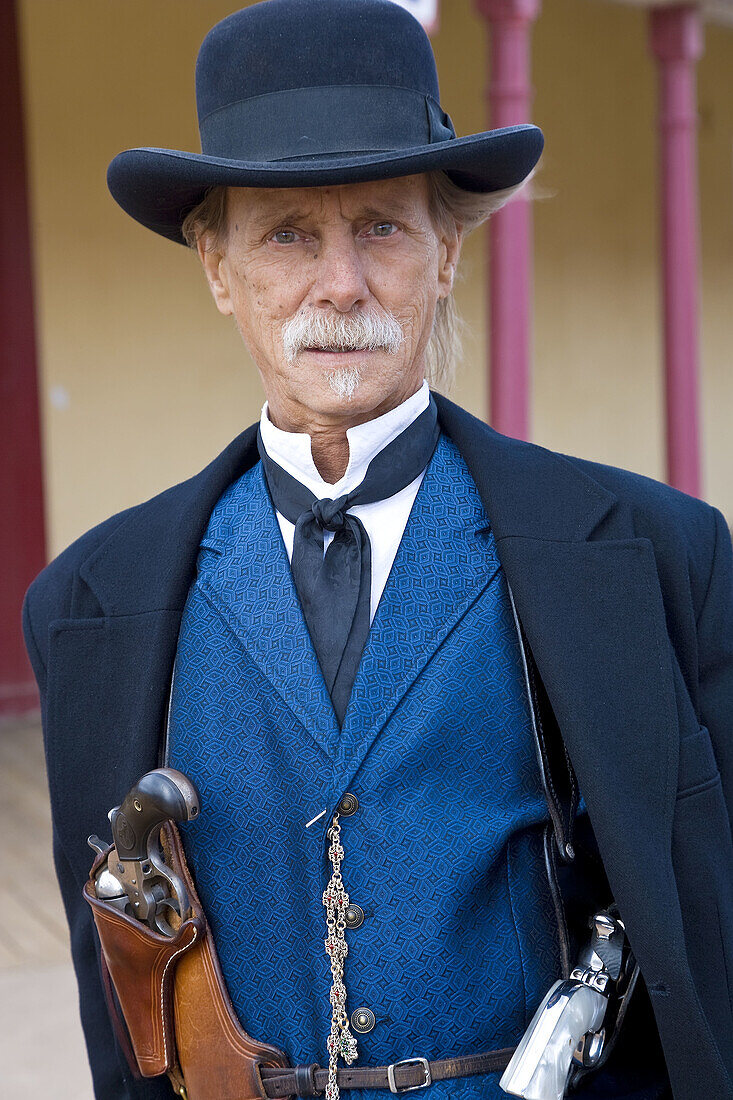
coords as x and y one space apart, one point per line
174 1000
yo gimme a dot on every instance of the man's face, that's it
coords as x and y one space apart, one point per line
316 276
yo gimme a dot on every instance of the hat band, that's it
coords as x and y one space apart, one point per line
314 122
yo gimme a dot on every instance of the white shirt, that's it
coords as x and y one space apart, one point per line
385 520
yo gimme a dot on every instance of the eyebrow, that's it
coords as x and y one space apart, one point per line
390 208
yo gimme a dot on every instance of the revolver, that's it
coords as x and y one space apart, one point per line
136 878
566 1034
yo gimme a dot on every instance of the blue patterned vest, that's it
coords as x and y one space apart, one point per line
444 853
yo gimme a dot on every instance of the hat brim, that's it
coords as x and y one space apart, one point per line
159 187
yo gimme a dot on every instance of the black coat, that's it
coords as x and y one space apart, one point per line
625 590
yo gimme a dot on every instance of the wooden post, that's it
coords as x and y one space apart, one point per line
676 42
21 486
510 230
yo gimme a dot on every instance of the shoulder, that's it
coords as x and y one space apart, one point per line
51 594
653 503
186 501
138 536
51 590
685 532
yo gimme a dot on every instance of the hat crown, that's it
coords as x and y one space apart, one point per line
311 93
281 45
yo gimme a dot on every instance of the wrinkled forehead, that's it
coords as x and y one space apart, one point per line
403 197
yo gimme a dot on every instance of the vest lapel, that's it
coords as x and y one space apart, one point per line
251 586
444 561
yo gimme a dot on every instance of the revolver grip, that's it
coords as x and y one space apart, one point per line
541 1063
161 795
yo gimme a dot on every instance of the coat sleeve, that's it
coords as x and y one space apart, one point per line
111 1075
715 656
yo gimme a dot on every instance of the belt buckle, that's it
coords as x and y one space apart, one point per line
409 1062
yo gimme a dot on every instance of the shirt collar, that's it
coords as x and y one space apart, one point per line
292 450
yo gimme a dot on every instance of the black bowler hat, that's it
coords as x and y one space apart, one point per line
302 93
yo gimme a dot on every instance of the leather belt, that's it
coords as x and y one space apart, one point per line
404 1076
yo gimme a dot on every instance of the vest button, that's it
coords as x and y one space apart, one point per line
363 1020
354 916
348 805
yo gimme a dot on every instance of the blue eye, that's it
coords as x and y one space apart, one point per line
383 229
284 236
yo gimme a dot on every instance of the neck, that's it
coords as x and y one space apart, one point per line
330 451
329 442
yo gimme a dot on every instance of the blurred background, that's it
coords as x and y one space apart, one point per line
598 312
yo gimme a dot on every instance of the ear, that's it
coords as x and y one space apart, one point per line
214 265
450 250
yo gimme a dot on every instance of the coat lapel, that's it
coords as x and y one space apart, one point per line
443 563
110 662
588 596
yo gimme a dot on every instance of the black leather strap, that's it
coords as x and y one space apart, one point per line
561 786
311 1080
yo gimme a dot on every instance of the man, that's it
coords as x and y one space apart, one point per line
363 628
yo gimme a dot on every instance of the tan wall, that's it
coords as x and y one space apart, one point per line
143 381
598 368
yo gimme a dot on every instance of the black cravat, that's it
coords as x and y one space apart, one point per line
334 589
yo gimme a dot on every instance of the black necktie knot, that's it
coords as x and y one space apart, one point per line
330 515
334 588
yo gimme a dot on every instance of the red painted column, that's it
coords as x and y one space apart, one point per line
21 487
676 41
510 230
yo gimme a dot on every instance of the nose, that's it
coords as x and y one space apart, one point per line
340 280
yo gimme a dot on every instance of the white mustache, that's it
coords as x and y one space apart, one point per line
365 330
